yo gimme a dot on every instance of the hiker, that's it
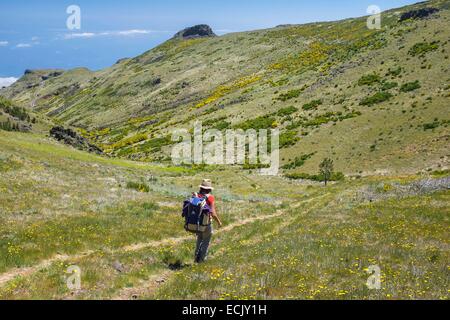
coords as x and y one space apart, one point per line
198 212
204 238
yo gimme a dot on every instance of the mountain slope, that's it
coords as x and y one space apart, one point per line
376 101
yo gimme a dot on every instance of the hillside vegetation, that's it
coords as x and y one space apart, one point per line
373 103
120 222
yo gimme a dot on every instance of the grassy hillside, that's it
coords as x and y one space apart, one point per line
374 100
283 239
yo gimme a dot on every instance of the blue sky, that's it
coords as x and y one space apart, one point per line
33 33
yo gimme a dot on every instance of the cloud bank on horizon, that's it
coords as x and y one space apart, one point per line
6 82
123 33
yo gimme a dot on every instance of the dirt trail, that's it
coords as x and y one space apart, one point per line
173 241
145 287
23 272
26 271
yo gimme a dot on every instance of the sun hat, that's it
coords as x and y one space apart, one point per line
206 184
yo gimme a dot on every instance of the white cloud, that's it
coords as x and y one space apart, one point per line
132 32
80 35
3 43
123 33
23 45
35 39
6 82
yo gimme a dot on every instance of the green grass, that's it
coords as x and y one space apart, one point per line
318 249
324 253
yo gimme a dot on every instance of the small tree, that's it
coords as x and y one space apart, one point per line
326 169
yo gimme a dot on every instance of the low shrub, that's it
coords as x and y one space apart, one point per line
264 122
369 80
422 48
287 111
388 85
337 176
379 97
394 72
289 95
288 139
9 125
431 126
298 162
221 125
410 86
156 144
312 105
138 186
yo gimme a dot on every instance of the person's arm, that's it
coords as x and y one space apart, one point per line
215 216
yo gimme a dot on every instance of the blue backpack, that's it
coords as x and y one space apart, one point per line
197 214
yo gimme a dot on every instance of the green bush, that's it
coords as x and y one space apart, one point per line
337 176
441 173
264 122
394 72
325 118
422 48
288 139
410 86
388 85
298 162
287 111
312 105
16 112
290 95
9 126
221 125
294 125
138 186
379 97
431 126
156 144
249 166
369 79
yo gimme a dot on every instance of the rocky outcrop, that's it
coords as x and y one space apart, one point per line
52 75
71 138
418 14
199 31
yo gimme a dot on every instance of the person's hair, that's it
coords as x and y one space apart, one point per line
204 191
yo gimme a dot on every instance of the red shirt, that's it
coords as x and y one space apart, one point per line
210 201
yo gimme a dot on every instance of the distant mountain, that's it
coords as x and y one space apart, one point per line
199 31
